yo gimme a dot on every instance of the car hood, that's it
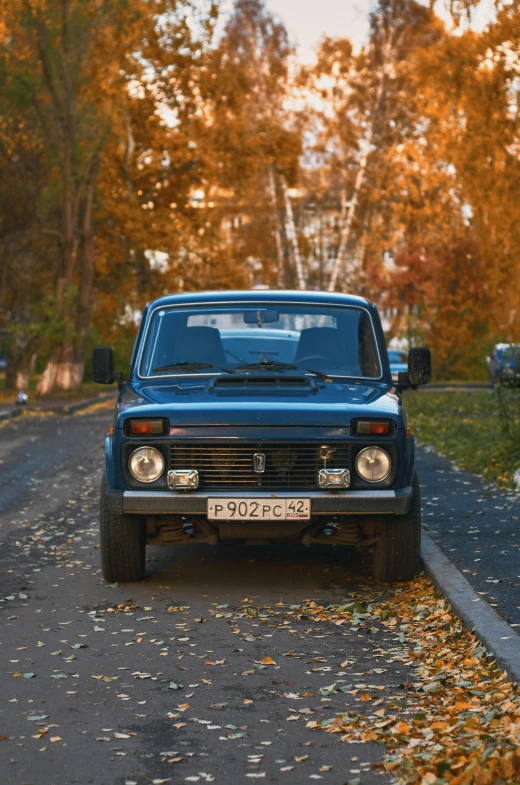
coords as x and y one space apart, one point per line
193 403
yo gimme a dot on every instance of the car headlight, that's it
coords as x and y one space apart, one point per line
373 464
146 464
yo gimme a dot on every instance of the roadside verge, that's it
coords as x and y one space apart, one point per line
59 408
477 616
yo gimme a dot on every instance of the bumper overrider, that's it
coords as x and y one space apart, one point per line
349 502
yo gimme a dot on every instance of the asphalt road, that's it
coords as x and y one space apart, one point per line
75 710
477 526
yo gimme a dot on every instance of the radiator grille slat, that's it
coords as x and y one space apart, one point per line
288 465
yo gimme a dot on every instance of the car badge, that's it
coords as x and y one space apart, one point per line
326 452
259 462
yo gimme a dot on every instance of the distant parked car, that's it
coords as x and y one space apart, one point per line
504 362
398 363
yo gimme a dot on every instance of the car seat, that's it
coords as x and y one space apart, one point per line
328 342
199 345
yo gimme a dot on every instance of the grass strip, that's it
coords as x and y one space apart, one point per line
468 428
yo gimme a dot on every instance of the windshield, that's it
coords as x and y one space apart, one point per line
509 354
213 339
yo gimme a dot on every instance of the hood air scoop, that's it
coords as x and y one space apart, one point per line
268 383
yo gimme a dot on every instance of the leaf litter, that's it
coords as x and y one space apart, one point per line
462 714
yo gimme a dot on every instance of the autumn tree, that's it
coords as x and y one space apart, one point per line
83 86
254 149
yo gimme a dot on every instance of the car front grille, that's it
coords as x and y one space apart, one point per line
288 465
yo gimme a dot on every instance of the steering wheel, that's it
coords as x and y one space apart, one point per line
312 357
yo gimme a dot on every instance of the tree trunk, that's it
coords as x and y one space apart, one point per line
17 373
66 366
277 234
85 284
360 177
290 230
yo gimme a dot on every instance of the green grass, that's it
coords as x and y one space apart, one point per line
466 427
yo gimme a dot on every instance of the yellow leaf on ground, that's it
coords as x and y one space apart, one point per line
267 661
365 697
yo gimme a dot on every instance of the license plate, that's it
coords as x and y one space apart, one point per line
259 509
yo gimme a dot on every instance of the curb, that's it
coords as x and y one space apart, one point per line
68 408
8 413
494 633
76 407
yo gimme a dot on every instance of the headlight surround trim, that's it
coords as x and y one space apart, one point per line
146 452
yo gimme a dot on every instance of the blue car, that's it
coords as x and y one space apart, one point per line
261 416
398 363
503 364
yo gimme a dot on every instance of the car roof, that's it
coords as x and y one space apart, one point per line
262 295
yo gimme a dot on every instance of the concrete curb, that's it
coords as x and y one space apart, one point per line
477 616
68 408
6 414
79 405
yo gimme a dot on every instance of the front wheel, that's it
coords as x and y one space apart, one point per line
123 543
398 547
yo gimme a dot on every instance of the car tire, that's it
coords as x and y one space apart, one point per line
123 543
398 547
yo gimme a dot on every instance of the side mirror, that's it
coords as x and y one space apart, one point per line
419 366
103 365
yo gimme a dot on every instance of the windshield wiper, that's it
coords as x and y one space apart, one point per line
192 366
276 366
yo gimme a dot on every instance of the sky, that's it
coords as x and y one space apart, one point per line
309 20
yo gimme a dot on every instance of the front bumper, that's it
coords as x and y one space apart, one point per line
364 502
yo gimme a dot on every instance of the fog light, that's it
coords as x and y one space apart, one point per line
179 479
334 478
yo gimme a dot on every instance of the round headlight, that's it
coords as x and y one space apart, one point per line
373 464
146 464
